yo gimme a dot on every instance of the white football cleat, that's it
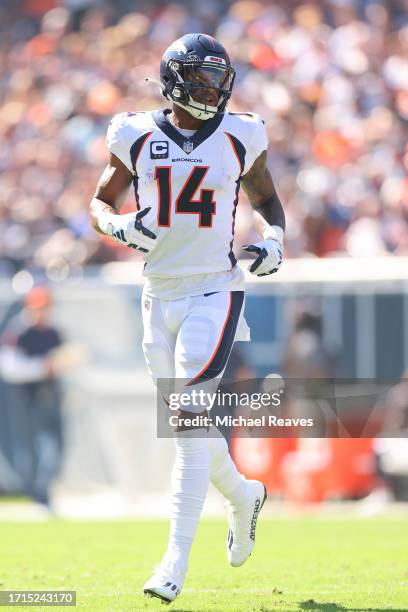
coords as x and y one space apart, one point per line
166 582
242 524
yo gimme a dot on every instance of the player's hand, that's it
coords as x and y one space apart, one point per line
129 230
269 257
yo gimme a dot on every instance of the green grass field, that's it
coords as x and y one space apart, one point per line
298 564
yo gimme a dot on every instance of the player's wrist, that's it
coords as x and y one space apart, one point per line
274 232
110 222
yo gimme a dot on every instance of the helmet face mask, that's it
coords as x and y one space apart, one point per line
196 74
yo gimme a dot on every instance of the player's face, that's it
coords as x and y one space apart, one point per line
205 84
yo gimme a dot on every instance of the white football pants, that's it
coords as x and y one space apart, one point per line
191 338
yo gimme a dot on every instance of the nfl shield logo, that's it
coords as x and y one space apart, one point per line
188 147
147 303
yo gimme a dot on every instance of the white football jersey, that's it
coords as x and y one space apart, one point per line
191 184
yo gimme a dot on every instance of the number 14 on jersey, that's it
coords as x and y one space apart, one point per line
185 204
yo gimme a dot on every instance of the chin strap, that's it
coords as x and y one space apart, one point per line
195 112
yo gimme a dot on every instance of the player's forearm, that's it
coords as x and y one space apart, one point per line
111 192
269 218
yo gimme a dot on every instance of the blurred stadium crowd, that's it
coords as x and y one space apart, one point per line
330 78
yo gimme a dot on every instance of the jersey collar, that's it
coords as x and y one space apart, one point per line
188 144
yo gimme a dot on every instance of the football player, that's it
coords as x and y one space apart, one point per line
186 164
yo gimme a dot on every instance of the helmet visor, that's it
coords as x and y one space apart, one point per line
208 83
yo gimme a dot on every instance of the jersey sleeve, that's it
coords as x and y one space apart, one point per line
257 142
116 140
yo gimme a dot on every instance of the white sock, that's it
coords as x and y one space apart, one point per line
224 474
189 486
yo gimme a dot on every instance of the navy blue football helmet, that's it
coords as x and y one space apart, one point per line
196 74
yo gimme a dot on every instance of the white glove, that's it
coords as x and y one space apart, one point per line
128 230
270 256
